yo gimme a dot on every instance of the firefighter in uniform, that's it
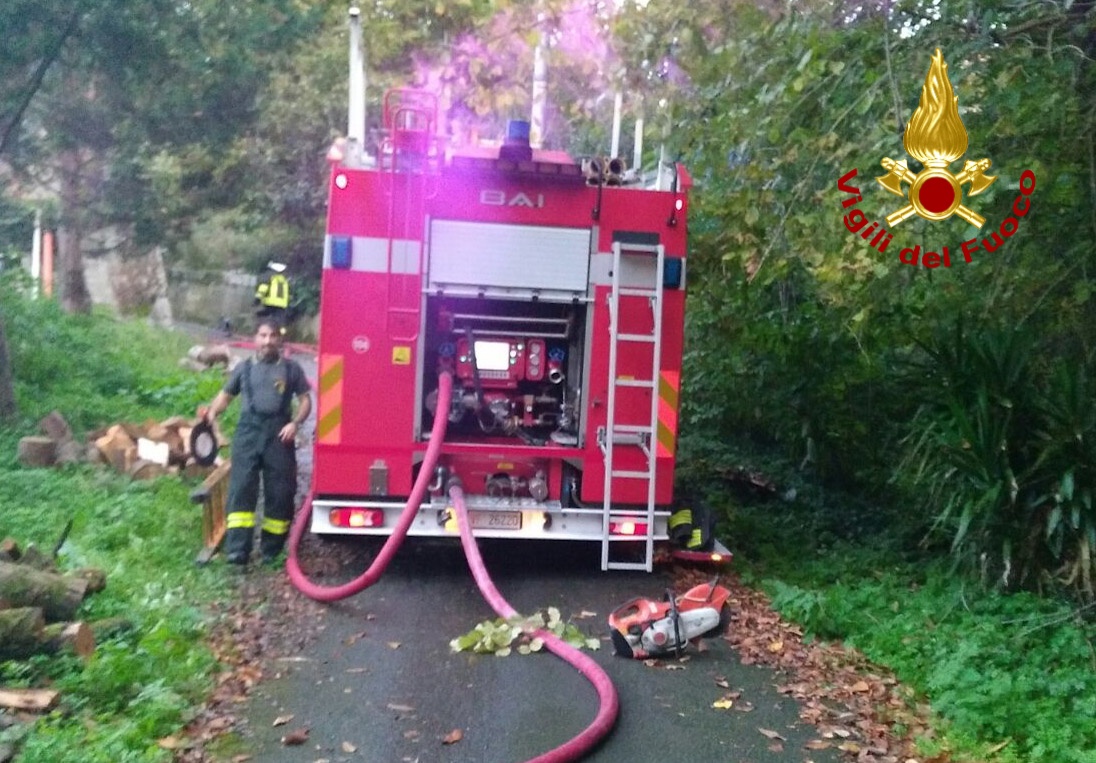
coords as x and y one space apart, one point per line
264 444
272 295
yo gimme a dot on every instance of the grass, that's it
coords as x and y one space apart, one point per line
140 686
1012 677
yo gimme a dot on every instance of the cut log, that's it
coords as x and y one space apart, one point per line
96 578
146 470
33 557
113 445
55 427
37 451
153 451
110 627
71 452
215 354
21 631
69 638
9 550
35 700
57 595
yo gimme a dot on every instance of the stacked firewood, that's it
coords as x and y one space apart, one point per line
38 605
143 451
38 616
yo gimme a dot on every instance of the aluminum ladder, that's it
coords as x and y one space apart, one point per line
632 264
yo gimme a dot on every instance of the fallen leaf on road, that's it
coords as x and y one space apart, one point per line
281 720
675 667
411 734
168 743
721 681
295 738
860 686
356 670
776 646
818 744
771 734
347 747
852 747
394 644
401 708
241 758
723 704
584 614
776 747
453 737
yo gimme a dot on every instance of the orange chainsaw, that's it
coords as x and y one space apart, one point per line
643 628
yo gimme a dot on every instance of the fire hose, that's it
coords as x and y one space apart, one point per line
608 703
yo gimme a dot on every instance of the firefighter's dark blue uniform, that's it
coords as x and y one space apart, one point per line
268 389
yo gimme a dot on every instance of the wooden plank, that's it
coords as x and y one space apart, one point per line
35 700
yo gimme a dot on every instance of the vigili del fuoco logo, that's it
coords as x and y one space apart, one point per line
935 136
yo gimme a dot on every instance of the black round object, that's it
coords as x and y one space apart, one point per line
203 444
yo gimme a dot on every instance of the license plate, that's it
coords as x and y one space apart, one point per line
495 520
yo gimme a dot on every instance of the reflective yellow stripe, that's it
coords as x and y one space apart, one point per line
276 526
696 540
683 517
240 519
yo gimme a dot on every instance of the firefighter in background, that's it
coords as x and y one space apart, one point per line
264 445
272 294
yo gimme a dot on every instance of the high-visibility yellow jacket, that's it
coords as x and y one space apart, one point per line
275 292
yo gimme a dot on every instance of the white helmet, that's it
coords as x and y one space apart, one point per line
277 267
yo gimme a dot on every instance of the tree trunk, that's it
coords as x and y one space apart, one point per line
74 289
7 390
58 596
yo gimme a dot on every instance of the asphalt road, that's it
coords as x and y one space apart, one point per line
378 682
373 679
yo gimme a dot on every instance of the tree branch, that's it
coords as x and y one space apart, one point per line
39 75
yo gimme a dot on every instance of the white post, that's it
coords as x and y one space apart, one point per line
618 107
661 168
540 96
355 128
637 149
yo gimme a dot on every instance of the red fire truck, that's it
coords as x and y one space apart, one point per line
552 290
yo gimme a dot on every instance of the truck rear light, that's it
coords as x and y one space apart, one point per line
357 517
627 527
